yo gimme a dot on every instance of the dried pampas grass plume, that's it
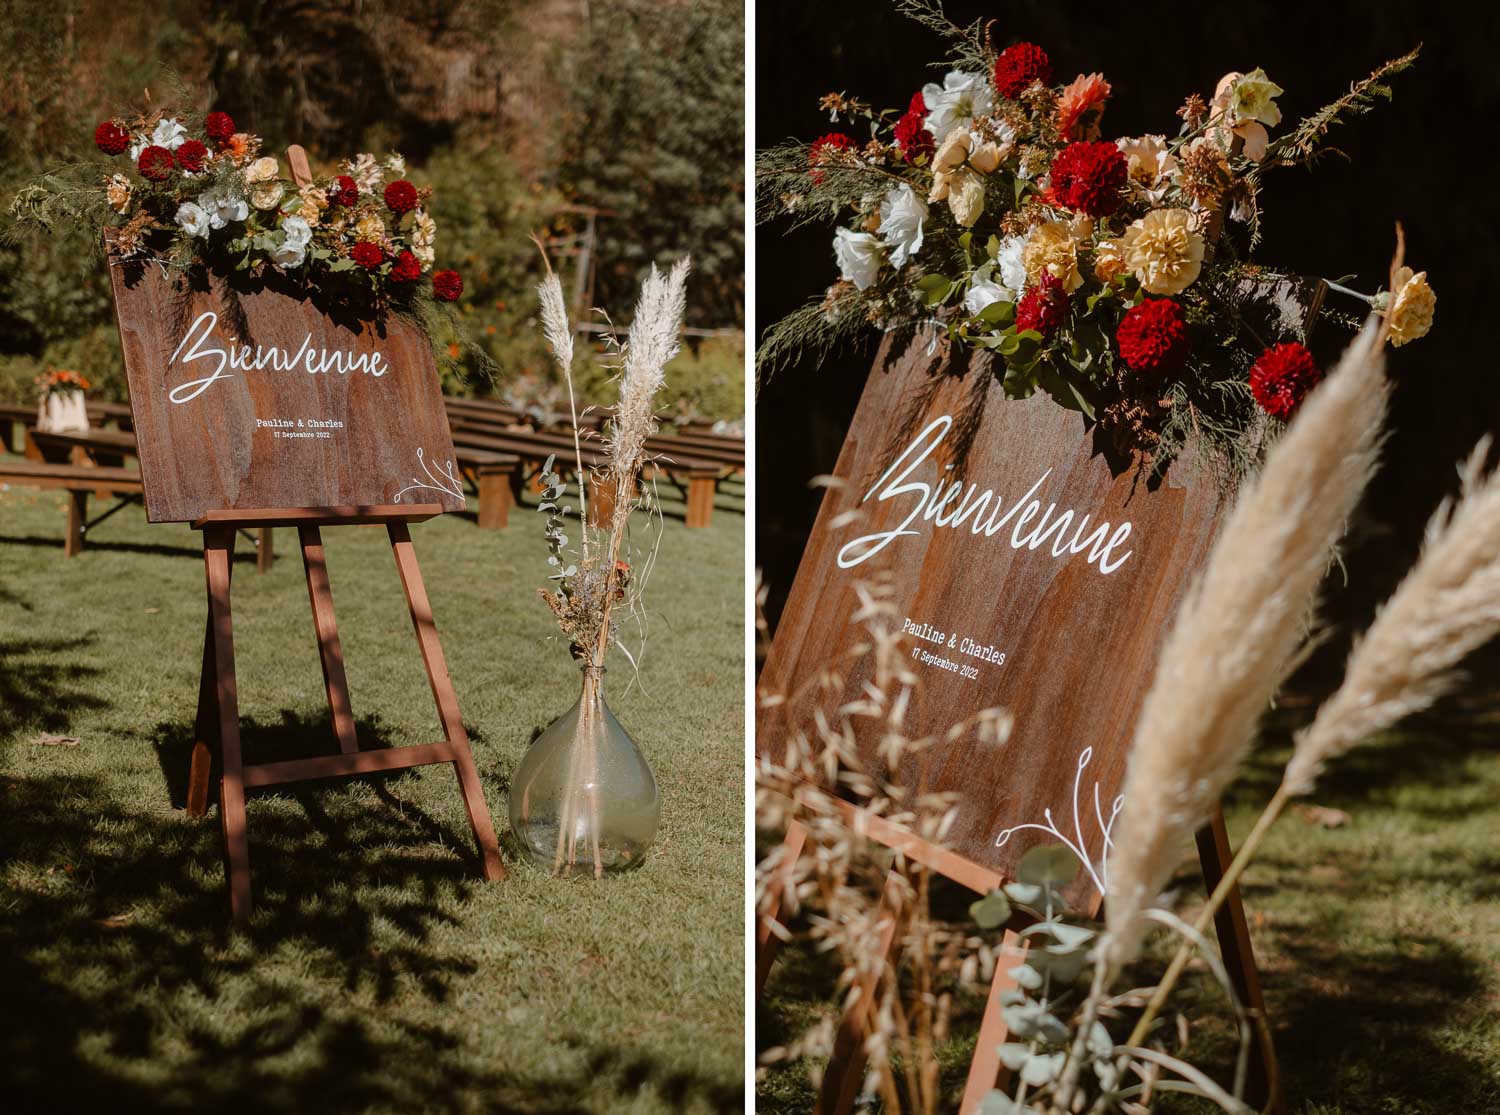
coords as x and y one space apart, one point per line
651 343
1447 606
1238 631
559 336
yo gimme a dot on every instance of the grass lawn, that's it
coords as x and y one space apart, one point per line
380 973
1378 940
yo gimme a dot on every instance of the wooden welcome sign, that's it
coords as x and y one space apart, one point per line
255 406
248 395
1028 572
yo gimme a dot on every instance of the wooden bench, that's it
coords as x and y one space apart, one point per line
78 481
698 479
496 478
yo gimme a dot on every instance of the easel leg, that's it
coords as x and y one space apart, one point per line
265 550
1233 931
78 516
205 727
985 1069
767 944
846 1065
447 701
330 652
218 554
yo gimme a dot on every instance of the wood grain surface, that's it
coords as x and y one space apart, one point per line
365 426
1080 631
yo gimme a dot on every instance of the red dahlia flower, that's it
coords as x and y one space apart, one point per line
1043 307
191 155
407 268
367 255
1153 337
111 138
911 131
155 164
1020 65
344 192
401 196
447 286
1281 378
1088 177
823 146
219 126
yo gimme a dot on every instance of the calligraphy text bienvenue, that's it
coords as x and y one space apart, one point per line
947 504
226 359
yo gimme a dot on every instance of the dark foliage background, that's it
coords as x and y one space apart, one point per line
1427 159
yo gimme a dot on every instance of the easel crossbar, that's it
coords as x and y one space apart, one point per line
358 762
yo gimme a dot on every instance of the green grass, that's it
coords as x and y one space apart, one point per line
1378 941
379 973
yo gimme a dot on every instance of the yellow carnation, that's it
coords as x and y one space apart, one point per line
1163 251
1052 246
370 227
1410 313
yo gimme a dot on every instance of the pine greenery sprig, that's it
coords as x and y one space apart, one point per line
1304 144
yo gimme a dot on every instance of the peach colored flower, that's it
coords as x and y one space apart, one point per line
1109 260
1081 105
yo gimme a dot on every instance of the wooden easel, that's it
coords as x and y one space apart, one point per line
846 1065
218 727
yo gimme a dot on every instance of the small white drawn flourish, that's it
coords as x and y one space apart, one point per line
445 480
1099 873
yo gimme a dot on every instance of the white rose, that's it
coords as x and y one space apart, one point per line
901 216
169 134
298 231
288 254
1010 264
193 219
984 291
858 255
222 208
956 102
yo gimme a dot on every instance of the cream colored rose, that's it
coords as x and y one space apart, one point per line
118 191
1052 247
365 171
370 227
262 170
1109 260
986 158
966 198
1163 251
267 195
1410 314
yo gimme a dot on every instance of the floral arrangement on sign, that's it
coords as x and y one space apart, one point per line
1102 271
584 798
197 189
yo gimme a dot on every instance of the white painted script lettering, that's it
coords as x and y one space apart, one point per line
195 346
947 504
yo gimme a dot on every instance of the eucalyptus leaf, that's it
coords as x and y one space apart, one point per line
991 911
1042 1068
1049 864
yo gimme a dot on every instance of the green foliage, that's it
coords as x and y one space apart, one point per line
657 137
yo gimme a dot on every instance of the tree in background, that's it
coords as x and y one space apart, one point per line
505 107
655 134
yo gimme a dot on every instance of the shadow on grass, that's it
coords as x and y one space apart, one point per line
49 690
242 553
123 985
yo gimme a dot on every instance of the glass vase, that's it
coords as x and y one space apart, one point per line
584 800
